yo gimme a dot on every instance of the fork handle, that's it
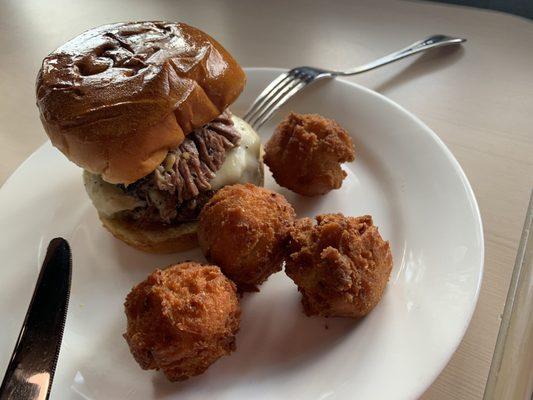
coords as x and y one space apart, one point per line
422 45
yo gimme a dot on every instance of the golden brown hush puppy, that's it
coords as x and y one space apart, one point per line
305 154
182 319
341 265
242 230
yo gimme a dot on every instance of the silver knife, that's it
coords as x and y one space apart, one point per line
31 369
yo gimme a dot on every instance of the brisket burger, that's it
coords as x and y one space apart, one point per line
142 107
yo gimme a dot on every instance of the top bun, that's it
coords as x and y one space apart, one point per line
116 98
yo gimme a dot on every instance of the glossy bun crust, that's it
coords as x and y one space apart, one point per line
116 98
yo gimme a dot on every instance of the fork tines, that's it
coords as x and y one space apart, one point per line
274 96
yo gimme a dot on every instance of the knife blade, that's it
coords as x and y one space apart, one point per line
30 371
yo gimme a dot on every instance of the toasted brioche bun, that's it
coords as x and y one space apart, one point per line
116 98
160 239
170 239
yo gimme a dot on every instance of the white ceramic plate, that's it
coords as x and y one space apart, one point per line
403 175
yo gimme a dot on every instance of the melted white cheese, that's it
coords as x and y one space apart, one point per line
107 198
242 162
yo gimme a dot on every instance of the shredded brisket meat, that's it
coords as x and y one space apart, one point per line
179 186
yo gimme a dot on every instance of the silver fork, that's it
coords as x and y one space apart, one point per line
281 89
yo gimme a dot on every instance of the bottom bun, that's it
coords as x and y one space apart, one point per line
169 239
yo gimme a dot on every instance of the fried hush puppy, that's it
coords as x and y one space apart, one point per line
182 319
305 154
341 265
242 230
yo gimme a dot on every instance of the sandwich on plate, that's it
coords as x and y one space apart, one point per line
143 108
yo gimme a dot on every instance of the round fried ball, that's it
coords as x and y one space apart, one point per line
305 154
182 319
242 230
341 265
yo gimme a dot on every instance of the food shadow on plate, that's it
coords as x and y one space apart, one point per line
429 62
390 221
304 206
275 337
137 261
